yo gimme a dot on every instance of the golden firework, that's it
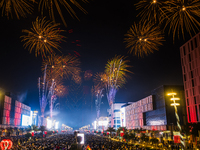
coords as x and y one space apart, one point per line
60 89
116 71
43 37
50 5
143 38
182 15
100 79
61 66
150 10
19 7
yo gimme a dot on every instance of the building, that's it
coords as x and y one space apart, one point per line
12 112
114 121
101 123
154 112
190 61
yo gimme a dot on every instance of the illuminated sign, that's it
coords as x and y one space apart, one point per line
6 144
25 120
81 135
158 122
56 125
49 123
103 123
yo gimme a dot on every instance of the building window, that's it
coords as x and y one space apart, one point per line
189 115
188 47
118 126
196 113
187 102
191 42
192 83
195 42
184 50
186 93
195 101
118 121
116 110
191 74
189 58
184 76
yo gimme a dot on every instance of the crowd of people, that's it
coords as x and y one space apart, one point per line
68 142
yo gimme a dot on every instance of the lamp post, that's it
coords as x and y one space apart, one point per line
176 114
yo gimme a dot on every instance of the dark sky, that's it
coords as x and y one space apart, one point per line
101 34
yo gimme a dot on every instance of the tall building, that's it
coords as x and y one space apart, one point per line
114 121
154 112
12 112
190 61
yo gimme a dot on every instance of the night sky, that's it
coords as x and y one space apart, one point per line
101 33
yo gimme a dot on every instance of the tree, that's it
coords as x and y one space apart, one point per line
132 136
110 129
42 128
28 135
121 129
126 136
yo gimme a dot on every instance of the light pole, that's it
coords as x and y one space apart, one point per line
176 114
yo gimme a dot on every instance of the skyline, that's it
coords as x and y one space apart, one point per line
101 37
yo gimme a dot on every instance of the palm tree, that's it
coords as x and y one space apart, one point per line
110 129
121 129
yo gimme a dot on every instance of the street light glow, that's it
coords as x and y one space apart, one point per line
171 94
174 99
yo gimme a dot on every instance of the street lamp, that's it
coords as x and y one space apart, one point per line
174 99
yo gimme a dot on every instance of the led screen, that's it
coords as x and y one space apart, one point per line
81 135
25 120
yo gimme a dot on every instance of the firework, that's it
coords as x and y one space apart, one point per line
143 38
43 37
99 94
101 79
150 9
19 7
182 15
116 70
50 5
62 66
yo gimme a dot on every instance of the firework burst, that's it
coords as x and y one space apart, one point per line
150 9
50 5
43 37
19 7
182 15
62 66
116 71
143 38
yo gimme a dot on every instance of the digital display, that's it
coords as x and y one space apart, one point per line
25 120
56 125
49 123
81 135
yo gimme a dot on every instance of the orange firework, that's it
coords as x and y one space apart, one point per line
143 38
182 15
62 66
43 38
151 9
50 5
19 7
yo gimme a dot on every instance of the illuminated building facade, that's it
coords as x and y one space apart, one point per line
190 61
154 112
11 111
115 121
5 109
101 123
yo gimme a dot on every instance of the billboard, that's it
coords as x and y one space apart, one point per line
25 120
81 135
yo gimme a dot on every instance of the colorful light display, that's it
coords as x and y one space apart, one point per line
6 144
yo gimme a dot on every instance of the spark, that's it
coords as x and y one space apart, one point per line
43 37
151 10
50 5
182 15
143 38
20 7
